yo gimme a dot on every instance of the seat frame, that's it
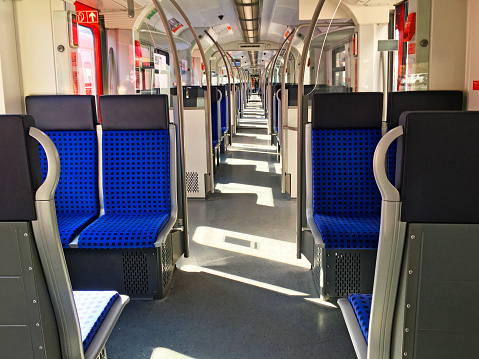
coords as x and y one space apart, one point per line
332 271
142 273
51 254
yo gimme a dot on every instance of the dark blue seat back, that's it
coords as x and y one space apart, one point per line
19 179
439 167
214 113
136 154
400 102
70 123
223 108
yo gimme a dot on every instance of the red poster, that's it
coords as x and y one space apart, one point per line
411 48
75 73
475 85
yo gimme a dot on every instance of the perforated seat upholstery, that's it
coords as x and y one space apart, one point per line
136 190
214 122
69 122
346 201
123 230
361 304
224 119
348 232
92 308
76 197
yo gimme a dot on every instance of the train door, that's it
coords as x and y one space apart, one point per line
87 84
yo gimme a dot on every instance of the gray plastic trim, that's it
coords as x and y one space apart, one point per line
46 191
357 337
101 336
101 200
173 181
389 256
48 242
388 191
318 239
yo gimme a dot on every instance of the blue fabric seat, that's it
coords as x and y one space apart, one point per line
224 117
76 197
361 304
92 308
348 232
72 130
71 224
346 201
136 178
123 230
214 122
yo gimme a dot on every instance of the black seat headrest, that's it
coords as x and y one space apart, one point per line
19 167
347 110
134 112
399 102
62 112
440 166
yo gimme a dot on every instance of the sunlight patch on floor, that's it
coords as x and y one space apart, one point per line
256 246
274 288
261 166
265 194
165 353
258 136
277 168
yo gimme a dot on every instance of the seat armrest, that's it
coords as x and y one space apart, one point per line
173 190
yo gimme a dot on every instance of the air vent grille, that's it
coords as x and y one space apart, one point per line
135 272
348 273
192 182
167 261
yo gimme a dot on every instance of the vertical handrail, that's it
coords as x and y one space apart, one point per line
208 97
239 79
284 113
219 48
181 121
302 121
231 88
270 85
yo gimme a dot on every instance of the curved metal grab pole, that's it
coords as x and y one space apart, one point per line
181 121
208 99
239 78
220 50
302 120
270 83
284 109
233 96
284 112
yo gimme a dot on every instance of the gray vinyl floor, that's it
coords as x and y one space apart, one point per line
242 293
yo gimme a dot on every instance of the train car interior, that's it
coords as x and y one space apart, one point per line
239 179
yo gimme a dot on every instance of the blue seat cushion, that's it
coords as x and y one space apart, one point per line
214 143
71 224
92 309
76 196
223 130
361 304
355 231
123 230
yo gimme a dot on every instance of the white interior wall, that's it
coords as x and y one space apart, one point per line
369 78
447 60
40 67
10 90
